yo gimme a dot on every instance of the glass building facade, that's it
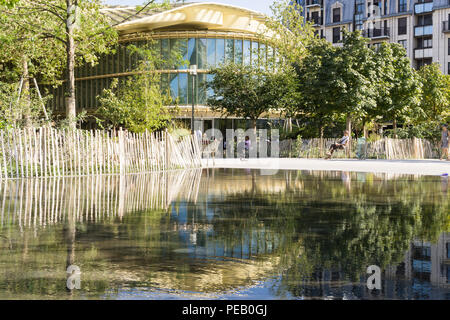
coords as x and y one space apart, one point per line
208 51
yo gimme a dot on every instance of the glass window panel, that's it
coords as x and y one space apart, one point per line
155 46
270 57
184 53
183 79
247 52
238 51
189 89
211 53
91 93
255 53
174 87
209 91
201 89
196 87
133 58
201 47
165 54
229 51
220 51
165 83
262 55
111 64
178 48
78 92
83 94
192 51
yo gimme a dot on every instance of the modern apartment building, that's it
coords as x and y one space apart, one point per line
421 26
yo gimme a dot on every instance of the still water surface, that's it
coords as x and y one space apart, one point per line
226 234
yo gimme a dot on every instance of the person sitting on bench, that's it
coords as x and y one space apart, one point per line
339 145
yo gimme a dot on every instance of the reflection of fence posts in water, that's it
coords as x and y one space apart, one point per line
49 201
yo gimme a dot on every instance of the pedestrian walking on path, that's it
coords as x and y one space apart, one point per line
444 143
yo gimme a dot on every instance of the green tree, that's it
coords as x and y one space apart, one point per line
8 3
435 98
75 29
138 104
248 92
287 31
354 77
337 82
398 85
316 105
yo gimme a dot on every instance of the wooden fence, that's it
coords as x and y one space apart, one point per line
49 152
385 148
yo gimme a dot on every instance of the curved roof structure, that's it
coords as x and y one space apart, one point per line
198 16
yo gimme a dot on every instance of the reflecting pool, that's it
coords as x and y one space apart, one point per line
225 234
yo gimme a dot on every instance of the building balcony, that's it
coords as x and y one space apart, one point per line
423 30
423 7
313 3
316 21
376 33
423 53
446 26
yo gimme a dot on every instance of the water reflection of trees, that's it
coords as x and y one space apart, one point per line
343 223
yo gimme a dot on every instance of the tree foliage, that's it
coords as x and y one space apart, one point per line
55 36
249 92
137 103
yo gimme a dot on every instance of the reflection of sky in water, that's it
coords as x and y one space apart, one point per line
229 235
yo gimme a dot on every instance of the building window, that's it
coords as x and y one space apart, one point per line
401 5
402 26
425 20
403 43
448 49
336 15
336 35
385 11
424 43
448 72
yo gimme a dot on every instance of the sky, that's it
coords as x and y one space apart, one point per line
257 5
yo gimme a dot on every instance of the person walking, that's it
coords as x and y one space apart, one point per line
444 143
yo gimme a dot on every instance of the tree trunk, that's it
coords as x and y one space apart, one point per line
321 141
288 125
395 128
70 50
366 134
254 126
348 127
26 92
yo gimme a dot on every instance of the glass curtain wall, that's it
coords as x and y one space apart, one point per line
206 53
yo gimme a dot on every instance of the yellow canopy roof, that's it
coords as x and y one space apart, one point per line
199 16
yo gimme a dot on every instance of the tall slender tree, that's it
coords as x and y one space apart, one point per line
74 29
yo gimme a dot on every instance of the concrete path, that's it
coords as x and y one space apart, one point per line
421 167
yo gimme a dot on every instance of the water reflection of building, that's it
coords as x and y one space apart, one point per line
426 265
424 274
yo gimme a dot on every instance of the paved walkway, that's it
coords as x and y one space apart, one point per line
422 167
